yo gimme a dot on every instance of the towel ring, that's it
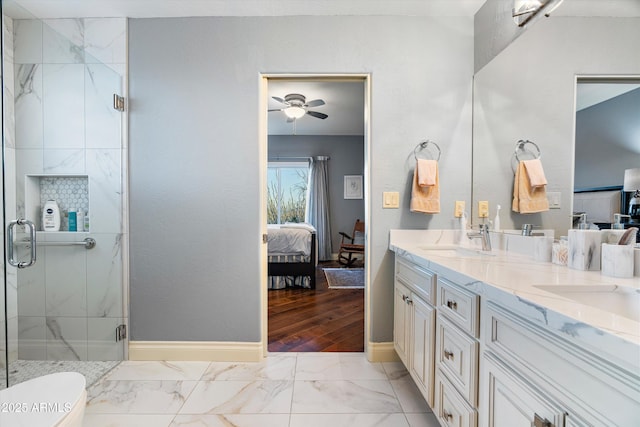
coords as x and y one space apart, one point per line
520 146
423 145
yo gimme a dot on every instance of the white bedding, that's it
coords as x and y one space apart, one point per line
288 239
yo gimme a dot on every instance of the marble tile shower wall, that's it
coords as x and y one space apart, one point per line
66 72
11 327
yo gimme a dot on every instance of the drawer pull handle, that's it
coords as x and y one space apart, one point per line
538 421
404 298
409 301
448 416
448 354
452 305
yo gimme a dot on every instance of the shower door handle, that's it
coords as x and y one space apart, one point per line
31 229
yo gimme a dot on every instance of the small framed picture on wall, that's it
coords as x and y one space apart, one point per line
353 186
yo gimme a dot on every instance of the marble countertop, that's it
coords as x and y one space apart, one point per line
512 279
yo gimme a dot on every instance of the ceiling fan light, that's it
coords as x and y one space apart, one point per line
294 112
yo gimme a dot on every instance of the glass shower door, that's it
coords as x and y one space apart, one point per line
63 141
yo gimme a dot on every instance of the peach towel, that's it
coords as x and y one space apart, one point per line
425 199
528 199
535 172
427 172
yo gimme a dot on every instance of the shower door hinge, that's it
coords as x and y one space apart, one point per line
121 332
118 102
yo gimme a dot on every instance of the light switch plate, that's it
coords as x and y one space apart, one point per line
390 200
483 209
555 198
459 209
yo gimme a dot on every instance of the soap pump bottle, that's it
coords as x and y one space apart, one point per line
617 224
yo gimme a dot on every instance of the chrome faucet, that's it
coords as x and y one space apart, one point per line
483 233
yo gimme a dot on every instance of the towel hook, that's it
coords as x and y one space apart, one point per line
423 145
520 146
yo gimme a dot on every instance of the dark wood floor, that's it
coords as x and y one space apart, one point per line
316 320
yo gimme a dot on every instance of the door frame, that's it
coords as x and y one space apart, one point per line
263 155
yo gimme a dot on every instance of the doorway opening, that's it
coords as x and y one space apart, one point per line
315 148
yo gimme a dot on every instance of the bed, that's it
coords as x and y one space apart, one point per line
292 255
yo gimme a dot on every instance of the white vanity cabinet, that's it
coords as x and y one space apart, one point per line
484 356
533 377
414 323
456 354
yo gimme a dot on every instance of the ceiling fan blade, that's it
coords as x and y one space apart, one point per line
315 103
280 100
317 114
278 109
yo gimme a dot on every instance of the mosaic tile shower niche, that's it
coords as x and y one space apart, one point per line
69 192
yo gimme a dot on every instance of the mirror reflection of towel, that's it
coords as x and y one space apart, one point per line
425 199
535 172
526 198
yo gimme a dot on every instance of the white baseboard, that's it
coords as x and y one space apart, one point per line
196 350
381 352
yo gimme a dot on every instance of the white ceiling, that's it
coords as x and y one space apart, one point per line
172 8
588 94
344 104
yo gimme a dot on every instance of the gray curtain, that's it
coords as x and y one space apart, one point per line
317 212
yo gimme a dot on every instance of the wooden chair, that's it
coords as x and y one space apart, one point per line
352 246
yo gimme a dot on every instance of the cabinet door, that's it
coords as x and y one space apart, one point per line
401 321
514 402
422 339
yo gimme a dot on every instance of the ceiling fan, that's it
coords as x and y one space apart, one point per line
296 106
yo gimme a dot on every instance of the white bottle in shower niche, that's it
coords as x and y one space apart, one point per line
51 216
80 219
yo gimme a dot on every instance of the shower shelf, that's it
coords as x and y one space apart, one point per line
70 191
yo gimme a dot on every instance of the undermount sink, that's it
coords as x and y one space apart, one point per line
454 251
621 300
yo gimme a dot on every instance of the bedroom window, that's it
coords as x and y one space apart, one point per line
286 192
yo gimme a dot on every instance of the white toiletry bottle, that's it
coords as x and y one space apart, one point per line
51 216
73 220
80 219
496 221
463 229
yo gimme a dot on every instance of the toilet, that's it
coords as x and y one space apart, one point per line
54 400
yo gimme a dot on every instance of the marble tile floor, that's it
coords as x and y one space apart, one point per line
23 370
284 390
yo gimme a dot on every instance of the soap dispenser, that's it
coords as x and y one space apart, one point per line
617 225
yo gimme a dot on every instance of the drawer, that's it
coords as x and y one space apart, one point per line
457 357
459 305
450 408
420 280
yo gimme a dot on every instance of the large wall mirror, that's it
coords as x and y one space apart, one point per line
528 92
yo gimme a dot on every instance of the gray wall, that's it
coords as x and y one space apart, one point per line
607 141
346 158
194 137
494 29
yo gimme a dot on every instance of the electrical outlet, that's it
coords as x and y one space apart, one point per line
390 200
459 209
483 209
554 198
